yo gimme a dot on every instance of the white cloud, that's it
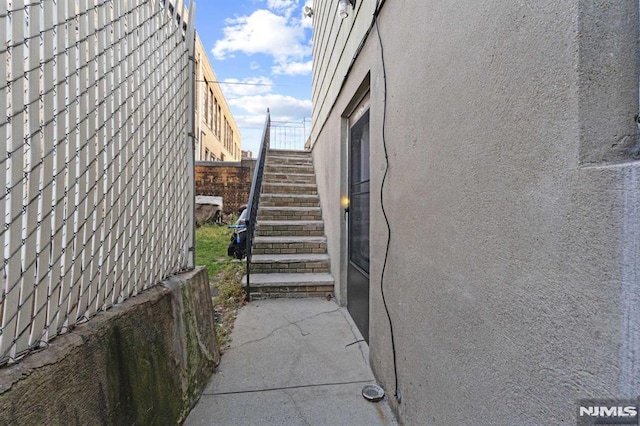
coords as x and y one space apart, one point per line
282 5
247 87
293 68
251 121
280 32
283 108
263 32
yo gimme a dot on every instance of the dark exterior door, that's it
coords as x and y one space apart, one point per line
358 229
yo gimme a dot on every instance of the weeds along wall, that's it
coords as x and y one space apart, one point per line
96 157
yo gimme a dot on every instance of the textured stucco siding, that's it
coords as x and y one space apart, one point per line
512 194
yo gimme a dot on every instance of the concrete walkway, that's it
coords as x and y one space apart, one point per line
291 362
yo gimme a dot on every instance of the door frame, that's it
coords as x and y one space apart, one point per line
359 105
359 95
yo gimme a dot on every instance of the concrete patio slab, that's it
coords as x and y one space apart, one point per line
292 362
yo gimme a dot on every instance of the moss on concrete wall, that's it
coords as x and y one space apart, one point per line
143 362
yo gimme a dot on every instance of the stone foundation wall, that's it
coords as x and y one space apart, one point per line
143 362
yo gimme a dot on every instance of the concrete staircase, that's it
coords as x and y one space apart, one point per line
290 250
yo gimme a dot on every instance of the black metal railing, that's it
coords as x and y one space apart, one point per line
254 198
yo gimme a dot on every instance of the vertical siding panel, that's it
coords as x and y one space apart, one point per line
341 46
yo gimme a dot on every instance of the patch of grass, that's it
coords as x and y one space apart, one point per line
211 247
225 276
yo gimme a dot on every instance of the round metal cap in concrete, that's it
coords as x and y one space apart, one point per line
373 393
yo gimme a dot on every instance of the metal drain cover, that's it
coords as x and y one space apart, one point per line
373 393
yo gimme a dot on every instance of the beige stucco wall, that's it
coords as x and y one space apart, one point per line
512 195
208 140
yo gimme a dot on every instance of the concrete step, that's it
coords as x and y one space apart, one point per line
290 263
289 245
289 285
289 152
289 168
271 160
289 177
292 181
298 228
289 213
289 200
289 188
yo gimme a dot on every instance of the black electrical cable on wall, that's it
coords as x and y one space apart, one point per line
384 213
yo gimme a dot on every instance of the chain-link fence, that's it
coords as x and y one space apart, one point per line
96 158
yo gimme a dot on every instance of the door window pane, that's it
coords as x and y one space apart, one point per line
359 194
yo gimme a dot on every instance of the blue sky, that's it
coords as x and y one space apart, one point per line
259 41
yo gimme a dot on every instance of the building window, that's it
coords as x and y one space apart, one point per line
197 86
215 117
211 110
206 103
226 134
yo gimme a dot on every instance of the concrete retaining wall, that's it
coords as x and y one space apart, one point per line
143 362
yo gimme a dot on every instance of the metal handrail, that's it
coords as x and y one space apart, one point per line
289 135
254 199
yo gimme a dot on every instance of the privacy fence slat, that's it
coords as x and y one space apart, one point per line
45 279
101 147
31 293
55 316
95 156
16 183
4 145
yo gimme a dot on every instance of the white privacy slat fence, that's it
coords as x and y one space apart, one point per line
96 157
